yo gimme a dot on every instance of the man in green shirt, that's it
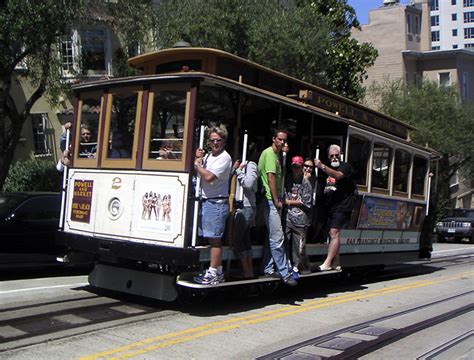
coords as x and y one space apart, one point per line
275 261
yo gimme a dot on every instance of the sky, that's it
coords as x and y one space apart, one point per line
362 8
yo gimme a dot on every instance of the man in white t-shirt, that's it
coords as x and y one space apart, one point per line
214 170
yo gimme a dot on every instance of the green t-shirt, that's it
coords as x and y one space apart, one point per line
269 163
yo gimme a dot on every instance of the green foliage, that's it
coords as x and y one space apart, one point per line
33 175
306 39
347 59
443 122
30 33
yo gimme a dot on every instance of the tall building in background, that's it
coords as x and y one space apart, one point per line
404 38
452 24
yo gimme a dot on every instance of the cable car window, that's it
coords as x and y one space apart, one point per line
420 167
382 156
359 154
167 127
401 170
122 125
216 106
90 113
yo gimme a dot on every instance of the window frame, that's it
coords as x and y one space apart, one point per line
409 24
468 17
394 145
449 80
427 162
376 189
40 136
395 192
87 162
469 33
361 187
125 163
172 164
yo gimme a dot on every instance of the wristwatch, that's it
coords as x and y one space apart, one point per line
323 168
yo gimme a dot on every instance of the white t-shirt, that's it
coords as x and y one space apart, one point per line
60 166
220 166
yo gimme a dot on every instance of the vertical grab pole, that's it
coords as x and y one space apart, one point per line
283 169
244 160
63 190
197 192
283 165
316 157
428 193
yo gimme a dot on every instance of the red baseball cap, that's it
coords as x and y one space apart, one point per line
297 160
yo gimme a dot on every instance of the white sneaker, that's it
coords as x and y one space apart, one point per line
209 278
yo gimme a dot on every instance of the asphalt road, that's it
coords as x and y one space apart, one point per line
416 310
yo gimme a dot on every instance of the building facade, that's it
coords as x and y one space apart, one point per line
87 54
403 36
452 24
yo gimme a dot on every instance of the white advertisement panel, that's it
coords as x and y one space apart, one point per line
137 206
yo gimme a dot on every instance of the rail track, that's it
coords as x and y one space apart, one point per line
37 321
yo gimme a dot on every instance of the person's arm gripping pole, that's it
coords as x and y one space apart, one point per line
197 192
63 190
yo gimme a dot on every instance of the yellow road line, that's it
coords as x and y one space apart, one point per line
170 339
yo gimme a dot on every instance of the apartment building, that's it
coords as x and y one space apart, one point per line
452 24
93 45
403 36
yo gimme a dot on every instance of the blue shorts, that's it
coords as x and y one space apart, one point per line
213 217
338 220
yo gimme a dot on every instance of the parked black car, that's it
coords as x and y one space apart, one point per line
457 225
28 228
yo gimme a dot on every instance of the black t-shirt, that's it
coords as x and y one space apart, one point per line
339 194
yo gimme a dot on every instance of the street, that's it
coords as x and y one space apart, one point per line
414 310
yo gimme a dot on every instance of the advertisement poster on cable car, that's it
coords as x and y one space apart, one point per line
380 213
159 207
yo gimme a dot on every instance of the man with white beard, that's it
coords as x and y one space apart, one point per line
338 197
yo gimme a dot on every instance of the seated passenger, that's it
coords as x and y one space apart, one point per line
87 148
166 151
117 147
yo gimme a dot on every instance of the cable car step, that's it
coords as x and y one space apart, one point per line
187 280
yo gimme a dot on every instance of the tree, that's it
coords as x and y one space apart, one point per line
347 58
28 34
29 38
443 121
306 39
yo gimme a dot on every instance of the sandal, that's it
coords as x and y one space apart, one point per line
324 268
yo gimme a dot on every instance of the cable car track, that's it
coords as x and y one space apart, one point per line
355 341
34 322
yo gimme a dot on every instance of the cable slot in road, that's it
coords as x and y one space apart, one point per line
358 340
